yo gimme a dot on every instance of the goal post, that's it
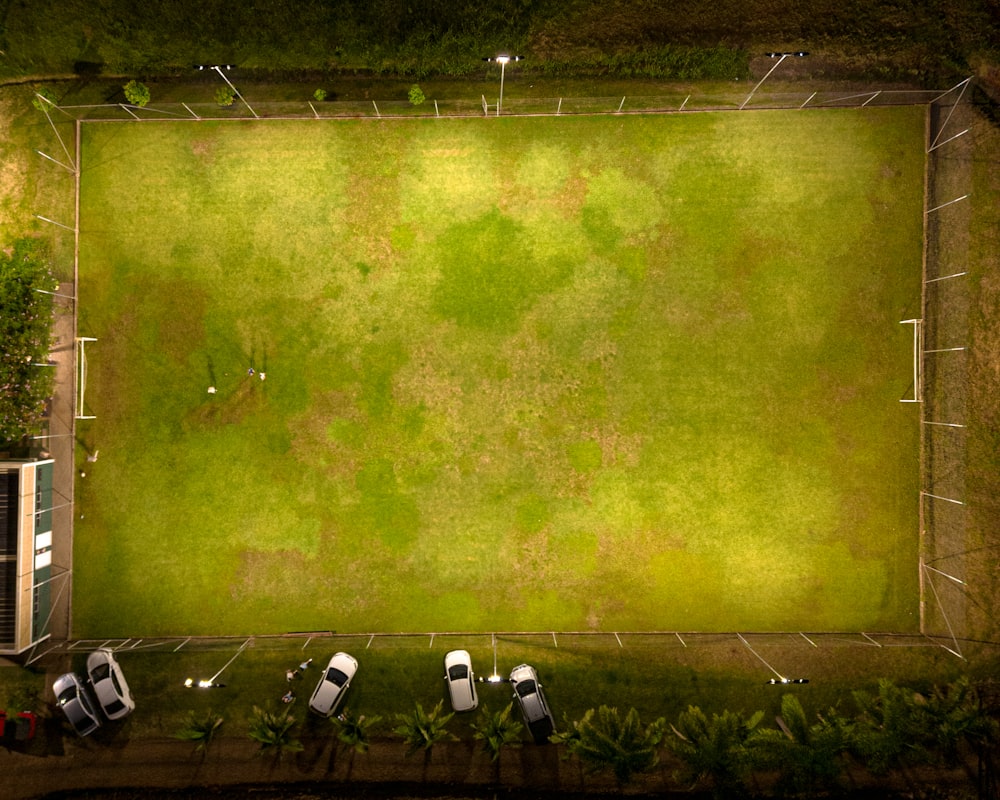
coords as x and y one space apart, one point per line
918 394
81 375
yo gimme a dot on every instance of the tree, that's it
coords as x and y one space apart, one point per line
136 93
353 731
273 731
25 330
225 96
201 730
606 740
497 731
715 748
422 730
807 757
417 96
890 728
954 715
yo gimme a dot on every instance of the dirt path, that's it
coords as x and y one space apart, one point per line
170 764
453 769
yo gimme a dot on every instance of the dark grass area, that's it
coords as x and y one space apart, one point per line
922 40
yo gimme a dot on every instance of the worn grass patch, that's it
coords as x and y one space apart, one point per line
581 373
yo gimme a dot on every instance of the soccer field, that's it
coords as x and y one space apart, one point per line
575 373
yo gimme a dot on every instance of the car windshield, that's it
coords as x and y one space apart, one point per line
335 676
114 707
100 672
459 672
524 688
69 693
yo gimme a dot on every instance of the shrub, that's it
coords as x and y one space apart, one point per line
225 96
136 93
319 95
417 96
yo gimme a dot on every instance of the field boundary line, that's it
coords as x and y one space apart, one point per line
921 459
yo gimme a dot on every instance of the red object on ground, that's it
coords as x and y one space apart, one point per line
17 729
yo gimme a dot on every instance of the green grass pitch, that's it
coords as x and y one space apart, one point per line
576 373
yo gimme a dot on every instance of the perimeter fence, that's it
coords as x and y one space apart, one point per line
777 657
247 108
950 587
946 569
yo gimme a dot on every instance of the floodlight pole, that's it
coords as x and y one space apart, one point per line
53 222
218 68
209 683
55 294
503 65
780 679
503 60
783 56
237 91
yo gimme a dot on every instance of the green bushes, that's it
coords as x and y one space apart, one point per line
894 728
669 62
25 322
416 95
447 37
136 93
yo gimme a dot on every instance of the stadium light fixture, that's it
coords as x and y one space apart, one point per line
503 61
210 683
781 57
191 683
780 680
218 68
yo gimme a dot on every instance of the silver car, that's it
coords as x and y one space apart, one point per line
333 685
109 684
530 697
73 699
461 680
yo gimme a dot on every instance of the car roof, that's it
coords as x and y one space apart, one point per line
460 676
109 683
77 708
336 676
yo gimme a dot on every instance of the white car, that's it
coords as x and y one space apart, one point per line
333 685
530 697
461 680
109 684
72 697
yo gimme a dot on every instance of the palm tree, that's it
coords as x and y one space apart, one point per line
715 748
422 730
605 740
353 731
497 731
201 730
273 730
955 715
890 730
807 757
